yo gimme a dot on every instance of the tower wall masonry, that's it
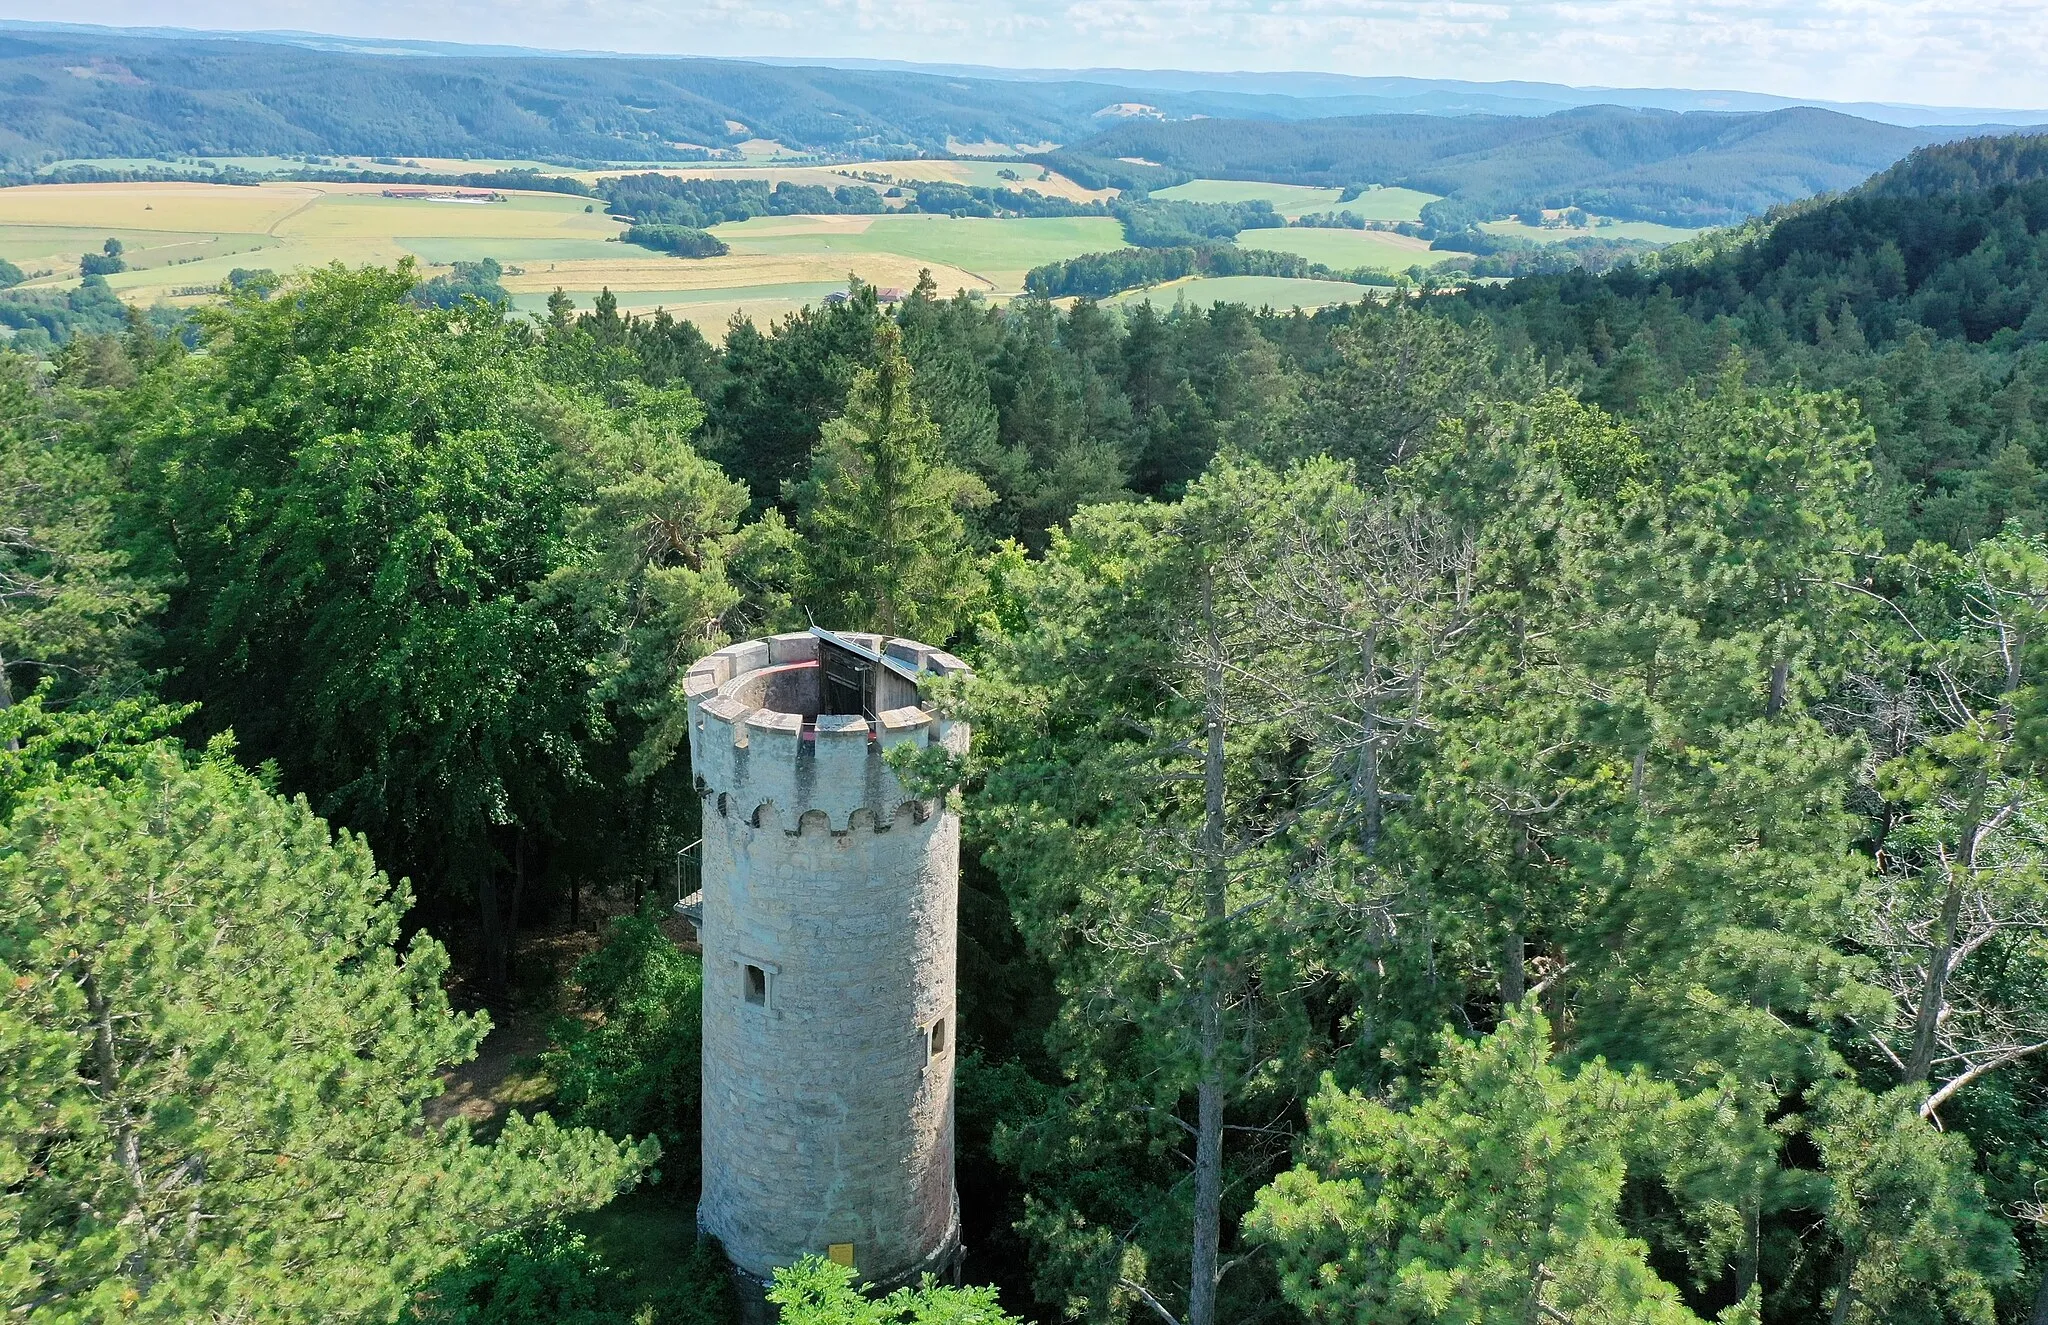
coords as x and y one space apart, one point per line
830 911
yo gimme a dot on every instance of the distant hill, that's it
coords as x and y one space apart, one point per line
1359 95
1291 95
65 95
1697 168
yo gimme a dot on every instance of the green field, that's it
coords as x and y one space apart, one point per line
999 252
1389 204
1287 199
1293 200
1342 250
1650 230
1279 292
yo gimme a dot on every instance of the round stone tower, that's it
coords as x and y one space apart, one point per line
830 896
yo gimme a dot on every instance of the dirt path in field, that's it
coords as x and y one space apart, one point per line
272 232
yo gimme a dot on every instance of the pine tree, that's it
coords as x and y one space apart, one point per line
884 545
216 1047
1493 1201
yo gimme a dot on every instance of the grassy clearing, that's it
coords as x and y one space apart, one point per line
1279 292
1650 230
1344 249
1389 204
1291 200
1287 199
997 252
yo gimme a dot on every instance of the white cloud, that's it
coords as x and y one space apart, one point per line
1960 52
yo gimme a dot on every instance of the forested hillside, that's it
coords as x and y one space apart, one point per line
1699 168
1507 805
65 96
1922 298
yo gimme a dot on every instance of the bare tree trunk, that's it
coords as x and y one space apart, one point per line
1845 1292
7 700
518 896
127 1144
490 931
1367 782
1781 676
1514 966
1202 1275
1941 946
1940 952
1752 1247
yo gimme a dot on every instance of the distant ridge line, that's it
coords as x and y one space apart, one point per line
1396 94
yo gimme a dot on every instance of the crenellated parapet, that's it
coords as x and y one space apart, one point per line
761 735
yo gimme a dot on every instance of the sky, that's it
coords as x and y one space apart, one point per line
1929 52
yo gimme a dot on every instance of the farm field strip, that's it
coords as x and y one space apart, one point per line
977 174
736 272
1344 249
182 241
1277 292
999 252
1650 230
1292 200
182 208
56 248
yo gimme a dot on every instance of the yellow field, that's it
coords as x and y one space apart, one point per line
978 174
182 240
183 207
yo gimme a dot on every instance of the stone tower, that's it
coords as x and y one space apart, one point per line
830 895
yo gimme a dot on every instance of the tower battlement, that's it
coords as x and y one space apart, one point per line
762 730
829 927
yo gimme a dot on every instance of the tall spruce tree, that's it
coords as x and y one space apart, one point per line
884 543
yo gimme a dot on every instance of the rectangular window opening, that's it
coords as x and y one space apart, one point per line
756 985
936 1045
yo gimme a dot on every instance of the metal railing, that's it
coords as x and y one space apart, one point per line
689 872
